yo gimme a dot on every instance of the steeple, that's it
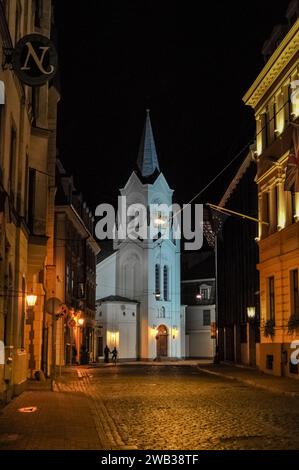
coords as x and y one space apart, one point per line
147 160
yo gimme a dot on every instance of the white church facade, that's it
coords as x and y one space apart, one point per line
138 283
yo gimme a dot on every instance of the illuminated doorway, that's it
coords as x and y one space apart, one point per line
162 340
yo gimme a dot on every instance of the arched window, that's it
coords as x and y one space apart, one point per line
157 280
165 283
163 312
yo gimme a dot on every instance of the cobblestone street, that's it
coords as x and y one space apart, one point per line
150 407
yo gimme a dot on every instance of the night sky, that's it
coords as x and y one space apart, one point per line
189 62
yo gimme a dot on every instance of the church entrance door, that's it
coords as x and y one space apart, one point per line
162 339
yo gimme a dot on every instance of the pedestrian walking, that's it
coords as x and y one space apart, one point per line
114 355
106 353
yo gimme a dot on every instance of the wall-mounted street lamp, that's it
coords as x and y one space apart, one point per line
174 332
157 295
159 221
81 321
251 312
31 302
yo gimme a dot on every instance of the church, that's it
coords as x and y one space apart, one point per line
138 281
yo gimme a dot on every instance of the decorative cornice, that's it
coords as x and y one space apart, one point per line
273 68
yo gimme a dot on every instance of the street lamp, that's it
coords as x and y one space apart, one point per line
31 301
157 295
79 336
251 312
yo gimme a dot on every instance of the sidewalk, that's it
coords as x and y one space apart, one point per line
73 417
52 420
255 378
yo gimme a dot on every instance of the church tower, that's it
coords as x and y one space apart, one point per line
148 269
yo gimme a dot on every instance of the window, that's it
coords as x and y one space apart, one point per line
276 201
68 278
205 294
269 361
294 292
12 159
37 11
206 317
289 102
265 212
271 298
18 22
157 279
165 283
264 129
163 312
31 198
293 203
275 119
72 282
81 290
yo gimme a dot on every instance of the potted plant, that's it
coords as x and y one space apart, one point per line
293 323
269 328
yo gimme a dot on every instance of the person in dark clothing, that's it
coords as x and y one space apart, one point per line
106 353
114 355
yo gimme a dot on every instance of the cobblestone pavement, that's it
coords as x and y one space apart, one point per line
150 407
173 407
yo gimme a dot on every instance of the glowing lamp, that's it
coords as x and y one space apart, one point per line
31 300
159 221
251 312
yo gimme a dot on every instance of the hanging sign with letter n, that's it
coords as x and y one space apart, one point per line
34 60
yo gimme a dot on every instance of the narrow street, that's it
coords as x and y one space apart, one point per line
150 407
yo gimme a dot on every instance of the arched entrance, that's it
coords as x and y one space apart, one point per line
162 340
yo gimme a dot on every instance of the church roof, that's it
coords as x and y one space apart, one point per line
147 160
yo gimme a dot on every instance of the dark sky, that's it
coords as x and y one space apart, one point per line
189 62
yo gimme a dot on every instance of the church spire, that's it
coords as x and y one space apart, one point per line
147 160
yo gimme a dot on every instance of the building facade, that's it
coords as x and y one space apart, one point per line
147 270
117 323
199 298
27 161
272 96
238 277
75 252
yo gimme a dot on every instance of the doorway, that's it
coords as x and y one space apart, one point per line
162 340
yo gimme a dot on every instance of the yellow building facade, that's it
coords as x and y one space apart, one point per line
272 96
27 178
